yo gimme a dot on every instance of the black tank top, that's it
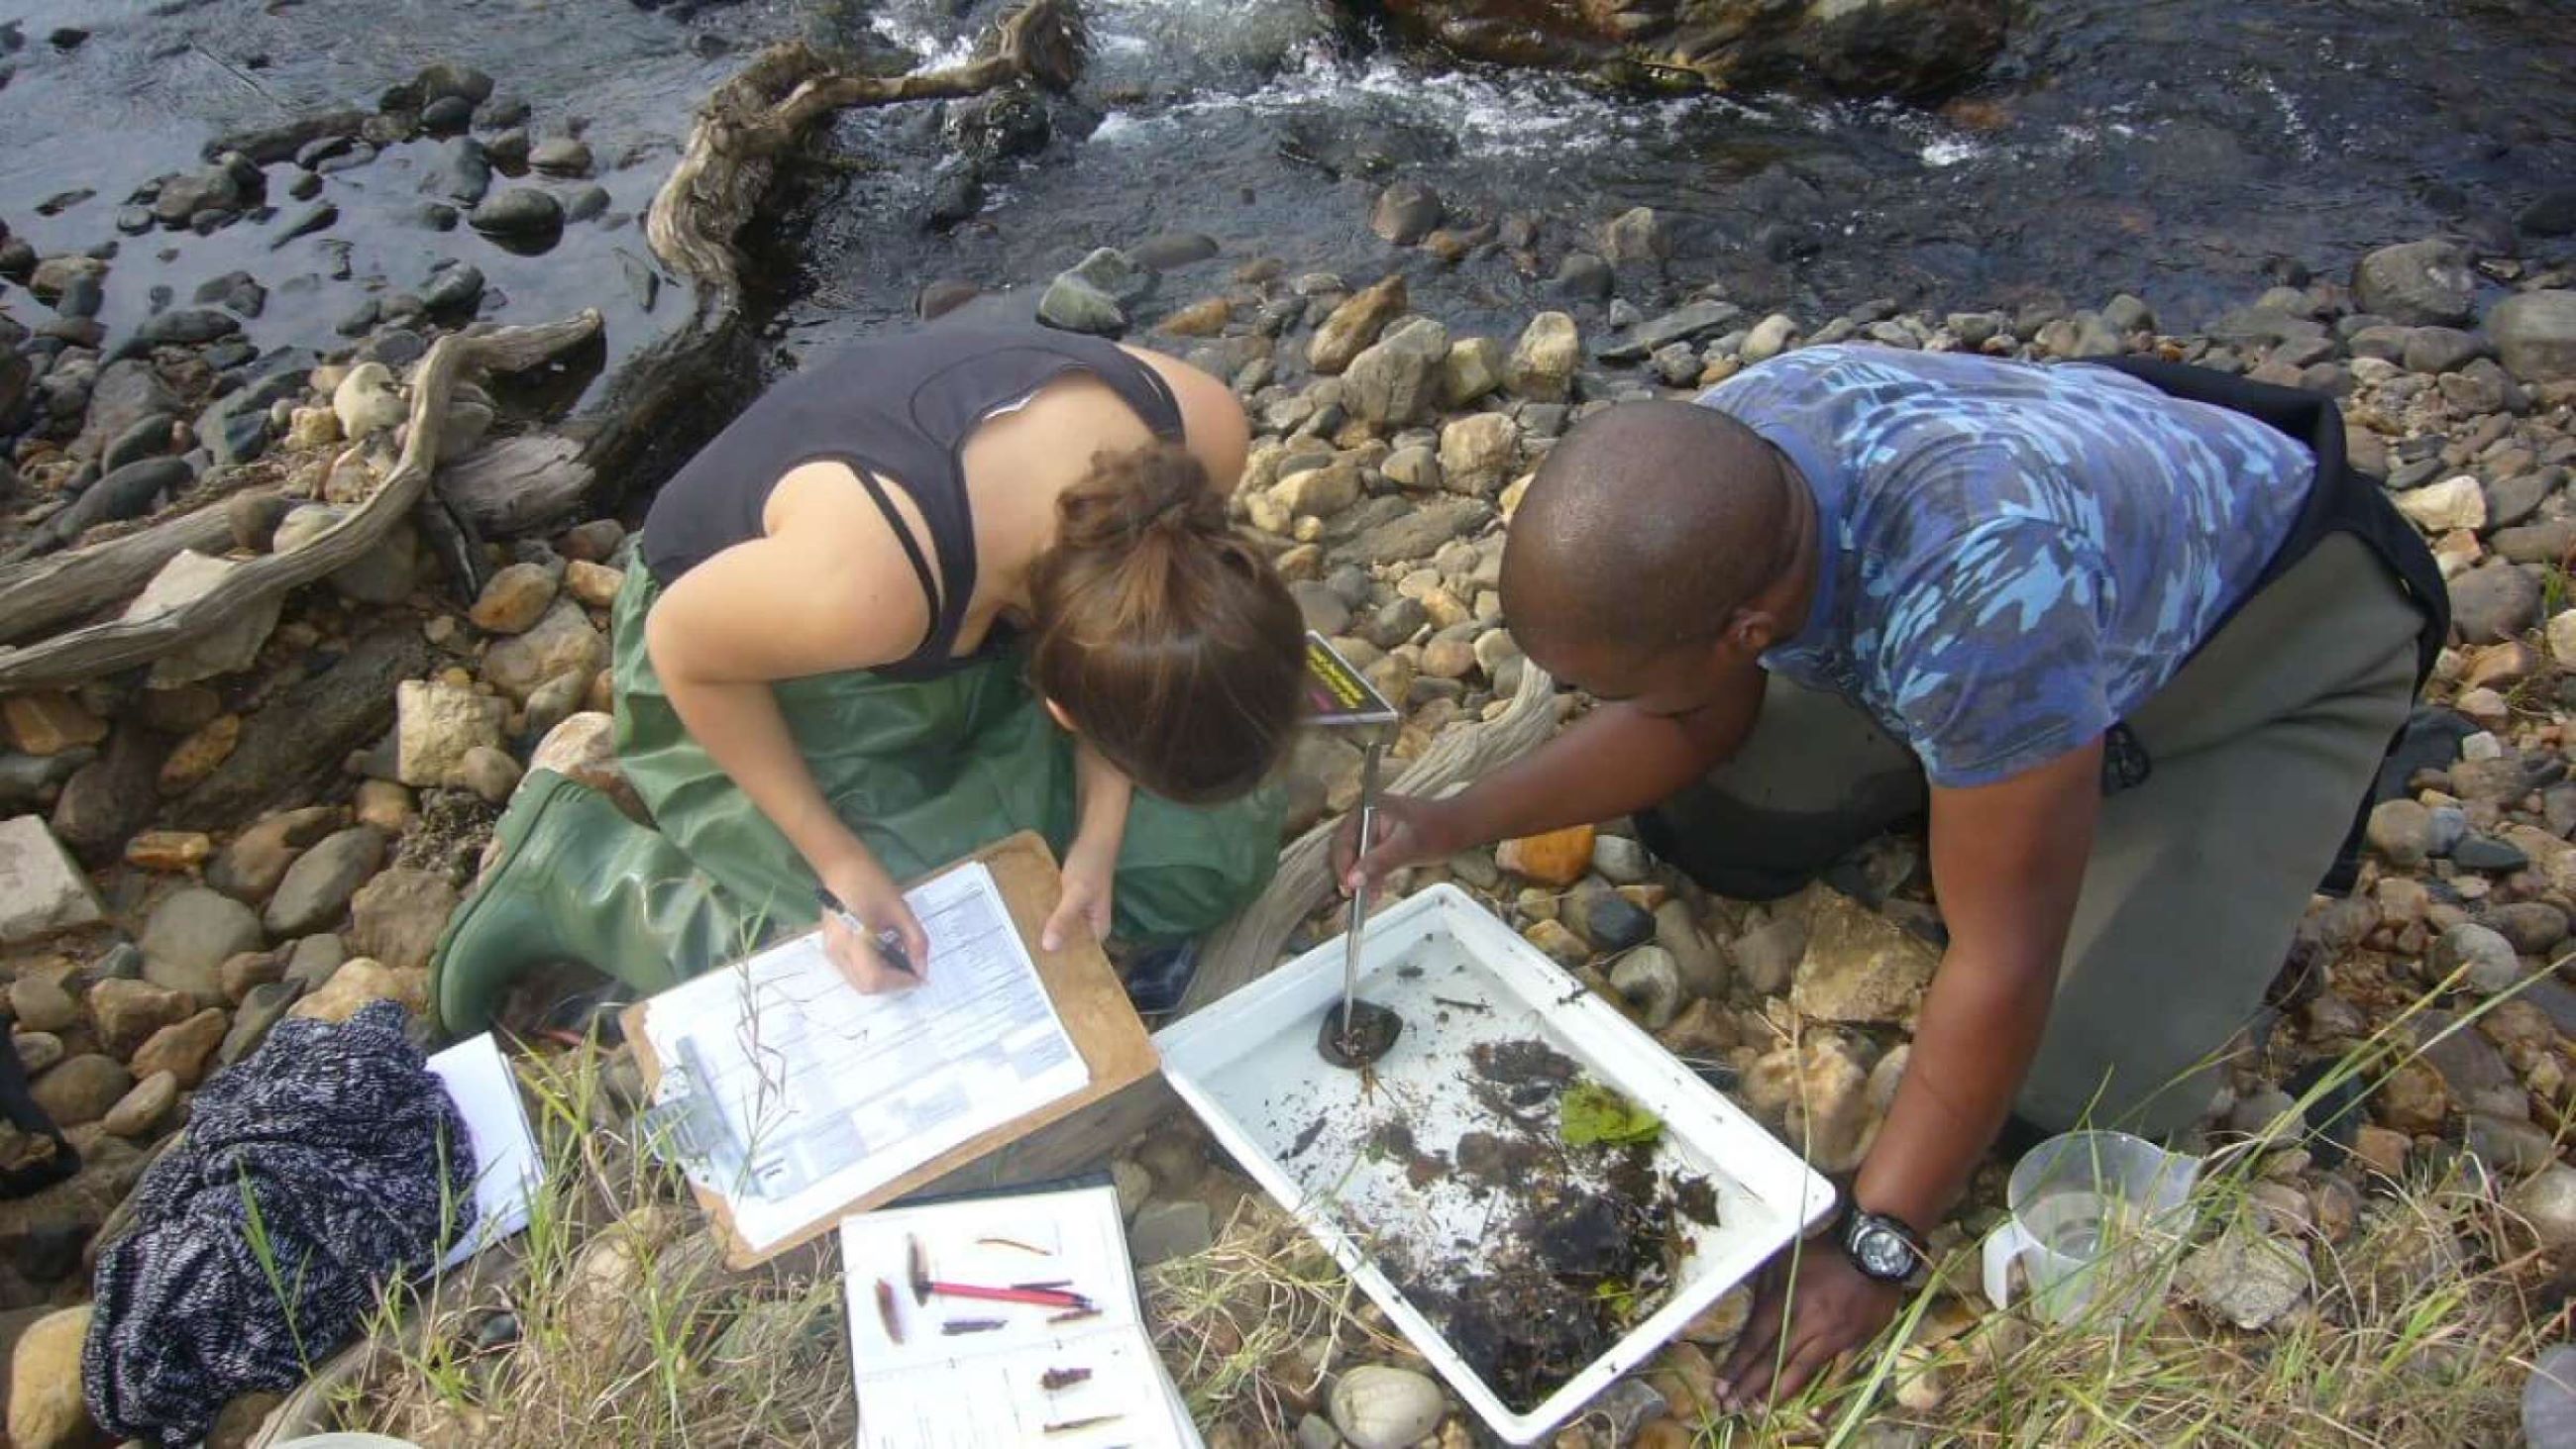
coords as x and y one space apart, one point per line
898 410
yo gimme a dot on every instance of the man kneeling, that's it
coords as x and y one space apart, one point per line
2139 647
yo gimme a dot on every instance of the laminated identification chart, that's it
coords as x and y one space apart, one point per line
803 1094
941 1367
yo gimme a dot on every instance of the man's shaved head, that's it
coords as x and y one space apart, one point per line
1647 526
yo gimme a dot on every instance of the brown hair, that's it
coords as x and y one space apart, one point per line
1162 632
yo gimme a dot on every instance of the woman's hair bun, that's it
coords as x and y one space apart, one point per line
1130 495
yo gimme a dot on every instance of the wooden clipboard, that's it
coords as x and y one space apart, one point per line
1124 1093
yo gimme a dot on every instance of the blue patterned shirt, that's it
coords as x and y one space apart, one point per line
2014 556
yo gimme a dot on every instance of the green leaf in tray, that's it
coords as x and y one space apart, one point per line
1593 1115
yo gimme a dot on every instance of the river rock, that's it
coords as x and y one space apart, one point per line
359 982
2402 832
561 640
1167 1230
41 891
49 721
1477 453
46 1408
1543 362
367 403
1355 325
1398 379
1621 861
459 170
260 1011
2455 502
1557 858
521 212
1649 981
2417 284
2483 956
1414 467
561 156
182 581
1405 213
489 773
1319 492
1859 967
190 934
396 918
2535 335
435 724
2412 1099
515 599
82 1089
37 1050
1075 305
1378 1406
2245 1278
1472 371
184 1048
249 869
185 327
2546 1203
1699 319
39 1003
141 1110
584 748
193 759
316 889
2494 603
1819 1091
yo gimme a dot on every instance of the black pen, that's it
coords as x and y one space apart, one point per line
889 942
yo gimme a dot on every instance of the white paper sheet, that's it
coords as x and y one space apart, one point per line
934 1391
828 1093
507 1172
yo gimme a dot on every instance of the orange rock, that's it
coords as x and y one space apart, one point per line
1199 319
169 850
1558 858
49 721
199 754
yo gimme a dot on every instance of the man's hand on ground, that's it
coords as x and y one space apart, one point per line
1803 1316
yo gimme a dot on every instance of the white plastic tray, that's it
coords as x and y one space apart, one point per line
1247 1066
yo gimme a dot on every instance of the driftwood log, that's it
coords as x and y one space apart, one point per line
746 129
97 649
1249 945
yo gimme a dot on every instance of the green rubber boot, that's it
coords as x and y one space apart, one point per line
578 881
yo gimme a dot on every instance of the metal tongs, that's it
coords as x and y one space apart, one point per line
1360 892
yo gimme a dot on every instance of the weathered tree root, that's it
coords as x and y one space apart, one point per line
105 648
1248 946
743 132
723 177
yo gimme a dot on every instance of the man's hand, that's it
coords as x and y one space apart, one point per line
1803 1315
1090 876
1408 831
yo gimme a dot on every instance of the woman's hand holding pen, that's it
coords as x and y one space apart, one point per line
870 905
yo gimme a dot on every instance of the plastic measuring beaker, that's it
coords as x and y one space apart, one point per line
2089 1210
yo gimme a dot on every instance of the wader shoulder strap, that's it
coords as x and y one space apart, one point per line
2342 500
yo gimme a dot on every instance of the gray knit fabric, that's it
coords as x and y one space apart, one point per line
360 1168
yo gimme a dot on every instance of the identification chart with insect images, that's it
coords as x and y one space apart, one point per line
940 1370
800 1094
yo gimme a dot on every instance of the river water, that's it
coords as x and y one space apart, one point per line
2187 150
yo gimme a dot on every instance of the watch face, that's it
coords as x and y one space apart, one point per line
1882 1253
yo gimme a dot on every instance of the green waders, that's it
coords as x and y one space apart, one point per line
925 772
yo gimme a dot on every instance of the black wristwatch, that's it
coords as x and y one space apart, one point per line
1883 1248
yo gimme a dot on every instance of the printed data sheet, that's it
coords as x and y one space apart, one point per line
805 1094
